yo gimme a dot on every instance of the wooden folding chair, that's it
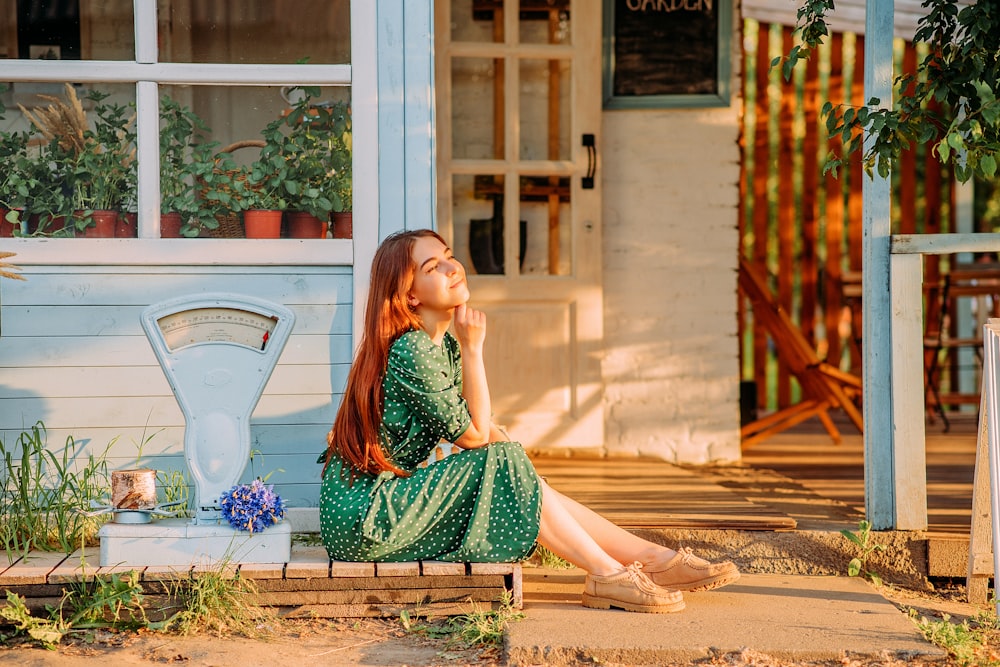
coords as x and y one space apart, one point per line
823 386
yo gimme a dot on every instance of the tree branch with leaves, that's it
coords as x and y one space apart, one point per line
950 102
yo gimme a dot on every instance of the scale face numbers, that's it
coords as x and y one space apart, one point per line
216 324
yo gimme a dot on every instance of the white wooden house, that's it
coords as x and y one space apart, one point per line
614 335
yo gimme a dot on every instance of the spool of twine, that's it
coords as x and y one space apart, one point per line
133 489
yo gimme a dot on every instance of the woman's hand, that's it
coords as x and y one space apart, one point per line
470 328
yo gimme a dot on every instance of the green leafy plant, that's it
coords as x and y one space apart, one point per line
114 601
858 566
218 602
45 495
960 75
550 560
95 163
480 627
968 642
186 158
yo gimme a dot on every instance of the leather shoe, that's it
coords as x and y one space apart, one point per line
686 572
630 590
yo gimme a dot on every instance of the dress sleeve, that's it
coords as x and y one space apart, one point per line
429 382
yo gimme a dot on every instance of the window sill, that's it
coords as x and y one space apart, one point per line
187 252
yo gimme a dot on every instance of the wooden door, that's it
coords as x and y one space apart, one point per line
518 124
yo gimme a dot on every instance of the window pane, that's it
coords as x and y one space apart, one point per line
227 149
477 218
477 20
545 109
66 30
474 99
70 153
545 226
545 21
256 31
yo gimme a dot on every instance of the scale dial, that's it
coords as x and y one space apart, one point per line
216 324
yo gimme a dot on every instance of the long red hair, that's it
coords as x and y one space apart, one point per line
356 436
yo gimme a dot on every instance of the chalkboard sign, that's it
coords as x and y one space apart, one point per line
660 53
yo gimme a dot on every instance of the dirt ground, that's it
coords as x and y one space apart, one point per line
378 642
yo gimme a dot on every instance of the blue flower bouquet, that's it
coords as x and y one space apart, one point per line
252 507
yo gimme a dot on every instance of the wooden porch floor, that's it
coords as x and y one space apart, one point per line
797 479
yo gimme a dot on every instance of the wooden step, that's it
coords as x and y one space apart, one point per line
310 584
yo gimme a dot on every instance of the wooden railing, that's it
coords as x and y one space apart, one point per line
803 227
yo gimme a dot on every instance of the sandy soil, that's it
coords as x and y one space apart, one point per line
378 642
298 643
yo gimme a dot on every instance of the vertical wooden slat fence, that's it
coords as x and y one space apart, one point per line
803 227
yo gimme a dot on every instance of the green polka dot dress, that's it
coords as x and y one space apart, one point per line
479 505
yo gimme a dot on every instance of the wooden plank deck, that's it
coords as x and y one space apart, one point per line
639 493
836 472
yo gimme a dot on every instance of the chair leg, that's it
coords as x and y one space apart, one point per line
932 380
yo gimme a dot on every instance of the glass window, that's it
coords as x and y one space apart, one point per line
265 143
69 157
255 31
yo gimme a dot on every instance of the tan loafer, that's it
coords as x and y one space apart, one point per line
630 590
686 572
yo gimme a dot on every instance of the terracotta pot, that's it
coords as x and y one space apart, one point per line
44 223
302 225
128 226
262 224
170 225
101 224
343 225
6 228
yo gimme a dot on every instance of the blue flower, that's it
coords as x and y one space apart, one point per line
252 507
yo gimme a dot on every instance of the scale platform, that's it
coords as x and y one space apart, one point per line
182 543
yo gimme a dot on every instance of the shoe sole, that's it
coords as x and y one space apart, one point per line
594 602
707 584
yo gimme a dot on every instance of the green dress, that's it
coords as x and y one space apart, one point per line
478 505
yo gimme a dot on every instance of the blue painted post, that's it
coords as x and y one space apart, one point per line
406 115
880 481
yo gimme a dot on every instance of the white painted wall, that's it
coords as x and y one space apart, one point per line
671 369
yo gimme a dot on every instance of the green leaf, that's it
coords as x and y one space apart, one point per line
988 165
47 635
854 567
852 537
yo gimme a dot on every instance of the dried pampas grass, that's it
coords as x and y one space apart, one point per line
7 269
66 121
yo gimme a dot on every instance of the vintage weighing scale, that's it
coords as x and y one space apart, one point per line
217 351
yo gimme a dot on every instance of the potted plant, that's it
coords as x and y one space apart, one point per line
316 147
259 192
97 163
186 158
13 185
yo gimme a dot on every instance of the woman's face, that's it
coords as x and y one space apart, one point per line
439 279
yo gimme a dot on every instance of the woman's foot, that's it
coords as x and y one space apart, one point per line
630 590
686 572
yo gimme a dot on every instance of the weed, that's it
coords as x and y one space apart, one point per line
478 628
307 539
864 541
42 497
219 602
174 486
115 601
547 559
967 642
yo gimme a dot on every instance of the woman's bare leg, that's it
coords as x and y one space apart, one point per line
562 534
617 542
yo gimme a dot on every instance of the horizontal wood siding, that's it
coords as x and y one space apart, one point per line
73 355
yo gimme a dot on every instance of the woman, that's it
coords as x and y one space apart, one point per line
413 385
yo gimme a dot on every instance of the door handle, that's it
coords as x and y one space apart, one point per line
587 182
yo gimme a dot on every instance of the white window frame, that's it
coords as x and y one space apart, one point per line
147 73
